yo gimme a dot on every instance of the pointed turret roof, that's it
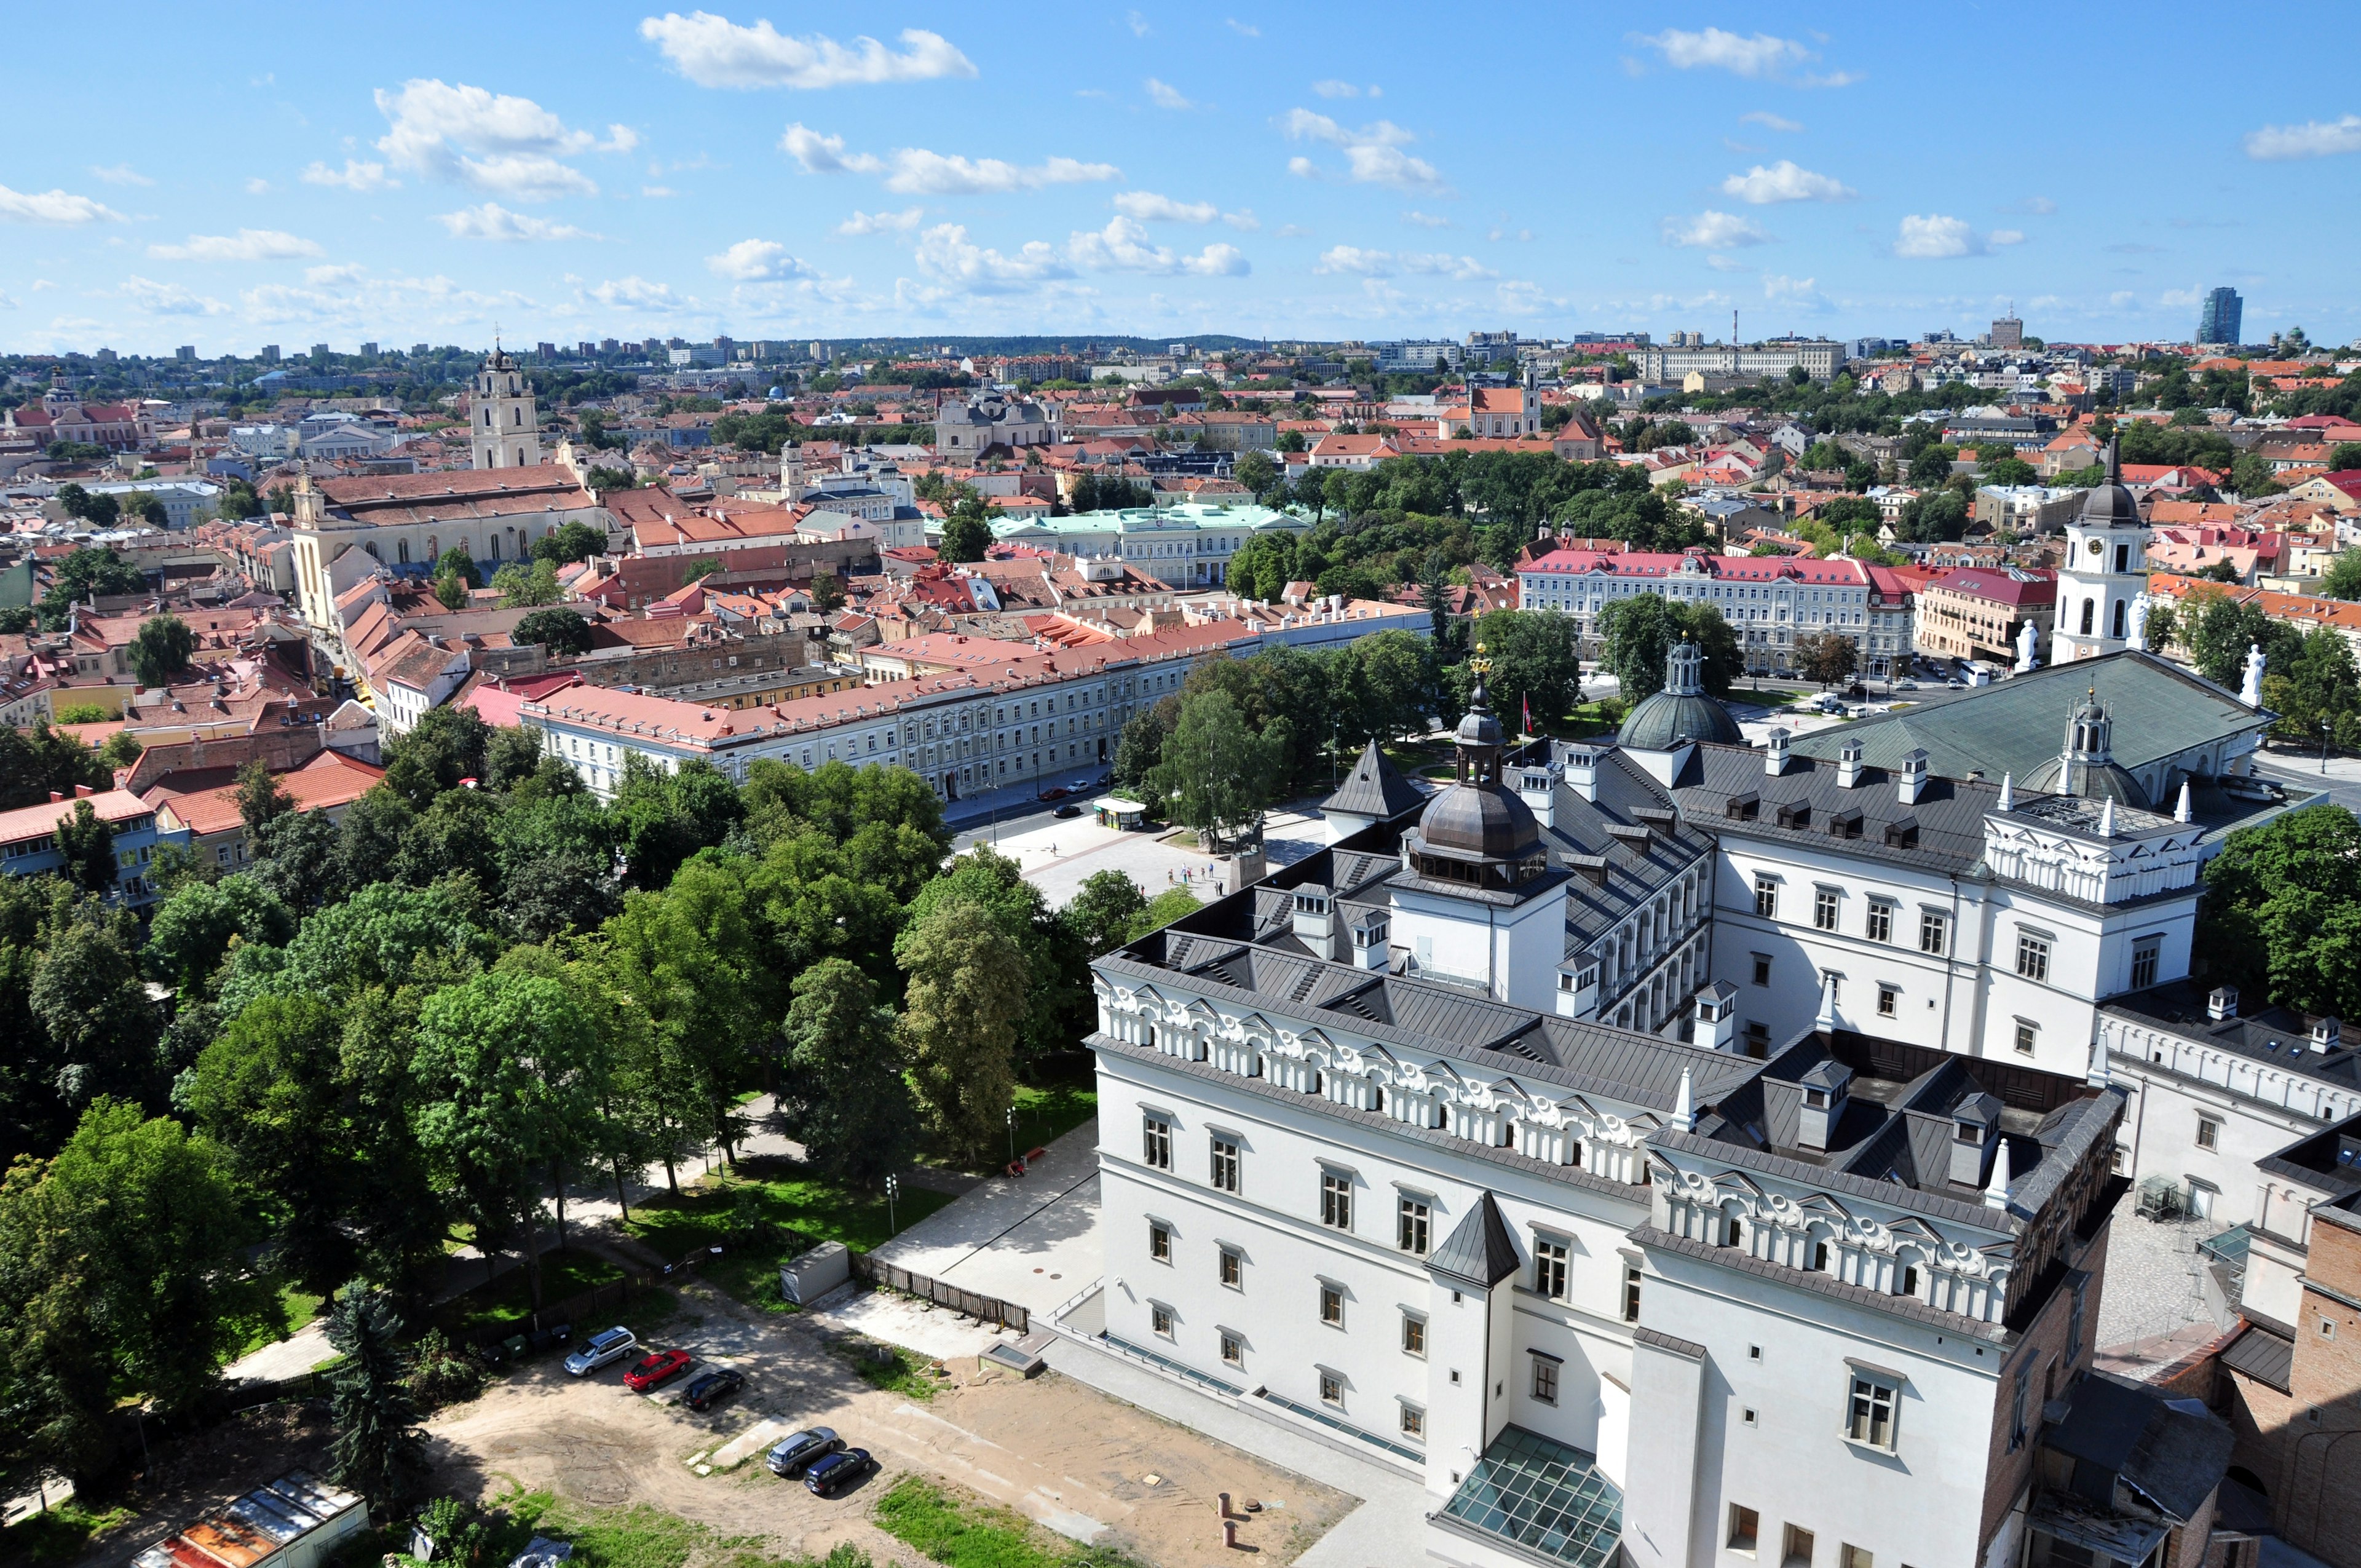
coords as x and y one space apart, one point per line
1479 1251
1375 788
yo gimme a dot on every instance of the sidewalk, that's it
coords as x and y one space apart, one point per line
1030 1239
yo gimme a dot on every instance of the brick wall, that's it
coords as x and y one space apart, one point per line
2042 1348
280 749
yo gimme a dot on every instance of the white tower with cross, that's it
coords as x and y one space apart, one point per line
504 430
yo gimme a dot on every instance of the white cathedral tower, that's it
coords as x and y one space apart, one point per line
504 429
2103 571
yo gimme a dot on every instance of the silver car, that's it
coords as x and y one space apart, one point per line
602 1349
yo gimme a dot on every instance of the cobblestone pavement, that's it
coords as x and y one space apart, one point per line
2154 1276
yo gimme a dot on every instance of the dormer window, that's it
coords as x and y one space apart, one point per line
1968 1133
1818 1099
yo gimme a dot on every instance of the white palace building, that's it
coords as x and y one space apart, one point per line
1675 1153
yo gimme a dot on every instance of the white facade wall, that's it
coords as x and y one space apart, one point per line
1768 616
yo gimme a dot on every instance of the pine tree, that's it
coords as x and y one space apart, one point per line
380 1451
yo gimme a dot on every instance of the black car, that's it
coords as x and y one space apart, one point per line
838 1471
1069 809
712 1389
793 1454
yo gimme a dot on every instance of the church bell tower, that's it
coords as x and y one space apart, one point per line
504 430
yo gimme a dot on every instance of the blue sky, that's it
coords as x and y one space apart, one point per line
1314 171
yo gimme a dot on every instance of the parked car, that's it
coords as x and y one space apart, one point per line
655 1370
794 1453
1906 685
1069 809
712 1389
838 1471
1055 792
602 1349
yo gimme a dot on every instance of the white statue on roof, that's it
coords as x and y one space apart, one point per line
2251 693
2028 648
2139 623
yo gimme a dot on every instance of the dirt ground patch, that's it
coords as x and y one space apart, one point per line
1061 1454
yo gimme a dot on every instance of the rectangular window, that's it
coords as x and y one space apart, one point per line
2208 1133
1872 1418
1934 933
1232 1268
2032 956
1881 920
1413 1421
1160 1318
1226 1164
1335 1200
1761 969
1331 1306
1159 1243
1413 1335
1631 1293
1412 1230
1331 1390
2016 1406
1156 1142
2145 953
1796 1550
2028 1035
1545 1380
1888 1001
1766 897
1233 1350
1549 1269
1824 908
1745 1527
1852 1556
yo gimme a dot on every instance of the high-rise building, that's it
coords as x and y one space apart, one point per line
2008 332
2219 318
269 355
185 353
368 350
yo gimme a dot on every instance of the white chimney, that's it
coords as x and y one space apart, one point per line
2003 1173
1581 764
1774 761
2222 1003
2327 1033
1537 787
1717 1016
1911 781
1849 764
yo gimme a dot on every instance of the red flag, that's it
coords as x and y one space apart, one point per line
1528 702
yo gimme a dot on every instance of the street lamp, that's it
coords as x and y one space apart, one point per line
893 1190
1012 1134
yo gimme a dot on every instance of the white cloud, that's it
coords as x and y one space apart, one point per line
494 142
824 154
1935 237
1713 230
713 51
1373 153
1243 29
861 223
1442 264
1124 246
657 191
2313 139
335 272
53 207
637 293
121 174
2039 206
356 175
1760 55
1769 121
1794 292
1138 25
1334 89
1352 258
946 254
258 186
167 298
1291 231
245 245
1426 220
1361 263
8 302
1167 96
1727 264
918 172
1785 182
758 261
2179 297
1150 207
492 221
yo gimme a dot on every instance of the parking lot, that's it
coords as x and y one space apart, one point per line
1065 1455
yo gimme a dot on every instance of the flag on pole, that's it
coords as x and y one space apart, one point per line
1527 702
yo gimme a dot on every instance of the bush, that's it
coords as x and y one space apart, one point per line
439 1373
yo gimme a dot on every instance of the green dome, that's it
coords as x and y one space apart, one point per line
1667 720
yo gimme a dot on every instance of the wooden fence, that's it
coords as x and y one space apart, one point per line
983 1308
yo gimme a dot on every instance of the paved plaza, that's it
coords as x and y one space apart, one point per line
1058 854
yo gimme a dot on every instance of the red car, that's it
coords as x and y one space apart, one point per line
660 1368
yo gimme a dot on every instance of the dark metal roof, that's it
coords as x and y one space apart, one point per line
2172 1452
1480 1251
1375 788
1663 721
2271 1035
1482 820
2262 1356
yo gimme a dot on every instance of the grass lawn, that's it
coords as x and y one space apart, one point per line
966 1534
279 1308
60 1535
507 1299
637 1537
700 1218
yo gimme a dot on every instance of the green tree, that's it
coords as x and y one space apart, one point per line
1140 747
87 846
2343 578
457 563
967 532
380 1452
522 585
510 1069
161 650
964 1001
115 1257
2317 694
573 541
295 857
1162 910
2221 628
1258 473
93 1030
2162 626
2345 456
1536 664
1827 657
1216 774
2010 471
191 932
261 799
1056 976
445 745
562 631
2281 912
1639 633
1098 916
1932 465
844 1096
36 761
87 572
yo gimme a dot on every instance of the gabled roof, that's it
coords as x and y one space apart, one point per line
1479 1251
1375 788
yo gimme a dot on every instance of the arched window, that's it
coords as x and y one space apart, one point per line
2119 619
492 546
403 546
2090 607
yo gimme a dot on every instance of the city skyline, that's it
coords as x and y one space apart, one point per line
917 171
